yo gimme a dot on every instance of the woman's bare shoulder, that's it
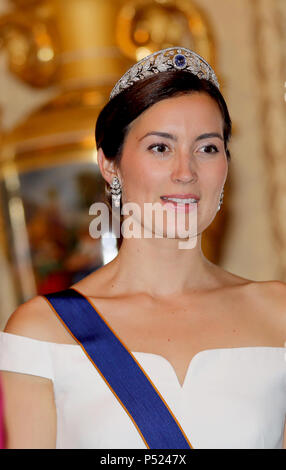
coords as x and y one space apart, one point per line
267 288
35 319
272 290
271 296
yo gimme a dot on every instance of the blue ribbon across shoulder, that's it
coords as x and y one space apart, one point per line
155 422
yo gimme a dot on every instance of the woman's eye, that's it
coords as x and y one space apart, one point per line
210 146
160 146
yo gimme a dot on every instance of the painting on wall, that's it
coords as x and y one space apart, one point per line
56 202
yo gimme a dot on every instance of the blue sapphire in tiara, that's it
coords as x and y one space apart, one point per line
180 61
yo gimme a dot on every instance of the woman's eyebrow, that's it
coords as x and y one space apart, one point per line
209 134
173 137
161 134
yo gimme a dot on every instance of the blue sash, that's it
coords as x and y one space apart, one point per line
129 383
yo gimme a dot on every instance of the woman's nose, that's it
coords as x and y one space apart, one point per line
184 169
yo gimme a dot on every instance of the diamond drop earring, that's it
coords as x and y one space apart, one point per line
221 200
115 191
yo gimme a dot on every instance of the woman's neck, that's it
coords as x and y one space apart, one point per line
159 268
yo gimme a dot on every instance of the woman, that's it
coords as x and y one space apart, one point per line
210 343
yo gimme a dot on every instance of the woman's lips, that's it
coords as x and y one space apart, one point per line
179 206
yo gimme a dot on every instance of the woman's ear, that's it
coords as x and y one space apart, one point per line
106 166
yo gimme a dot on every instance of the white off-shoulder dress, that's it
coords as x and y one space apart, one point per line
232 398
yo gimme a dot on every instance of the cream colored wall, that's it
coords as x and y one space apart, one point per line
251 248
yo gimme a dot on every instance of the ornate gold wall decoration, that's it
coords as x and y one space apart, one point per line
144 26
29 36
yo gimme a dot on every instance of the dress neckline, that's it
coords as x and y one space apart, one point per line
193 360
203 352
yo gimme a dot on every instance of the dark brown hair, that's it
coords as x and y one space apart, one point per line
113 122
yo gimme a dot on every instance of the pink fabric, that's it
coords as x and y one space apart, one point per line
2 432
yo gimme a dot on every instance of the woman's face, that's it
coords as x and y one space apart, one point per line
189 157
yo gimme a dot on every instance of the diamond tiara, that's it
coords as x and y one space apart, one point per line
172 58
